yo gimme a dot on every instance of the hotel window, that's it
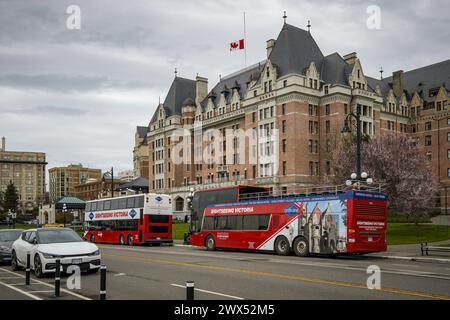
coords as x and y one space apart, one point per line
284 145
311 128
283 109
328 126
428 140
448 121
326 89
448 136
428 155
254 117
285 83
327 109
284 168
283 126
270 86
311 110
328 168
448 153
254 171
310 146
271 112
448 172
346 108
255 93
427 126
311 168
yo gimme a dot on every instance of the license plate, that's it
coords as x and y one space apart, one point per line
370 239
76 261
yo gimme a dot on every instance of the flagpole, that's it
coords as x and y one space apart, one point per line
245 42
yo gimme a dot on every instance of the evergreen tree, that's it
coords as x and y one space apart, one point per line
11 198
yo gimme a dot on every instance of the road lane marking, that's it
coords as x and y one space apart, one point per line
41 291
210 292
413 273
50 286
32 296
4 278
284 276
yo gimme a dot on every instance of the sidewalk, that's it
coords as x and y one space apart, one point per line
412 252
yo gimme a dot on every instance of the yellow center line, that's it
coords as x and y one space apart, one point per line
283 276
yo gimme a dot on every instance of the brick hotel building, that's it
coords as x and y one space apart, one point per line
303 94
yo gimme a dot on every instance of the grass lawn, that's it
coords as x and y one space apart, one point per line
178 230
407 233
21 226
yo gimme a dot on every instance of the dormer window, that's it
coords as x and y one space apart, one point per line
267 72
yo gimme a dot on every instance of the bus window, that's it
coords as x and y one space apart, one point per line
109 225
100 206
158 218
139 202
208 223
88 207
122 203
114 204
221 223
93 206
107 205
256 222
234 223
130 202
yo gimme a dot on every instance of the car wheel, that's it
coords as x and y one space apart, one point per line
301 247
38 267
210 243
130 240
14 264
282 246
92 239
121 240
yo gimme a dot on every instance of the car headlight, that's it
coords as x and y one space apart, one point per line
95 253
49 255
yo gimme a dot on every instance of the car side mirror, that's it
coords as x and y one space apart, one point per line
35 241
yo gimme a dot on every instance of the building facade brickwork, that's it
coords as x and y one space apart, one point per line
294 104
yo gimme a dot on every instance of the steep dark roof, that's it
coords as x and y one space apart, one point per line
179 91
140 183
334 69
420 80
426 78
239 78
294 51
142 131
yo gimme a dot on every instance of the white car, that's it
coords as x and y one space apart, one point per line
48 245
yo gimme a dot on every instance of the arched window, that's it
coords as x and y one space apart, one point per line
179 204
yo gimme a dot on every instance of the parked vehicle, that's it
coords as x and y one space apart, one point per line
7 238
328 223
46 245
131 220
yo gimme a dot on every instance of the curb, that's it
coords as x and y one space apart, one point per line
416 259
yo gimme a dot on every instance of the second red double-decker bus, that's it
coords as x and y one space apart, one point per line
340 223
138 219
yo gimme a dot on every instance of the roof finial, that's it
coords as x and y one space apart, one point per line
381 73
176 72
220 77
309 26
284 17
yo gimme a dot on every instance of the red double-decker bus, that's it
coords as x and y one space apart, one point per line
339 223
137 219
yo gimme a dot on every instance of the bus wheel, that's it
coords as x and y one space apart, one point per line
121 240
210 243
92 239
130 240
301 247
282 246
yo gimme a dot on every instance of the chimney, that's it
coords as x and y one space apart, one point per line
270 45
201 88
350 58
398 82
3 144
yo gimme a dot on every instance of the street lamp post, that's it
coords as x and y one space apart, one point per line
111 173
64 210
347 129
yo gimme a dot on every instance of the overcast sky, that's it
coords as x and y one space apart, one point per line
78 95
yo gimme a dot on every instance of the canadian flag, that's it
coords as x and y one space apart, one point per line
237 45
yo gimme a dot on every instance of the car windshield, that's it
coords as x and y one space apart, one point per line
58 236
9 236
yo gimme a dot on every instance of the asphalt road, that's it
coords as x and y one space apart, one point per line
161 273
